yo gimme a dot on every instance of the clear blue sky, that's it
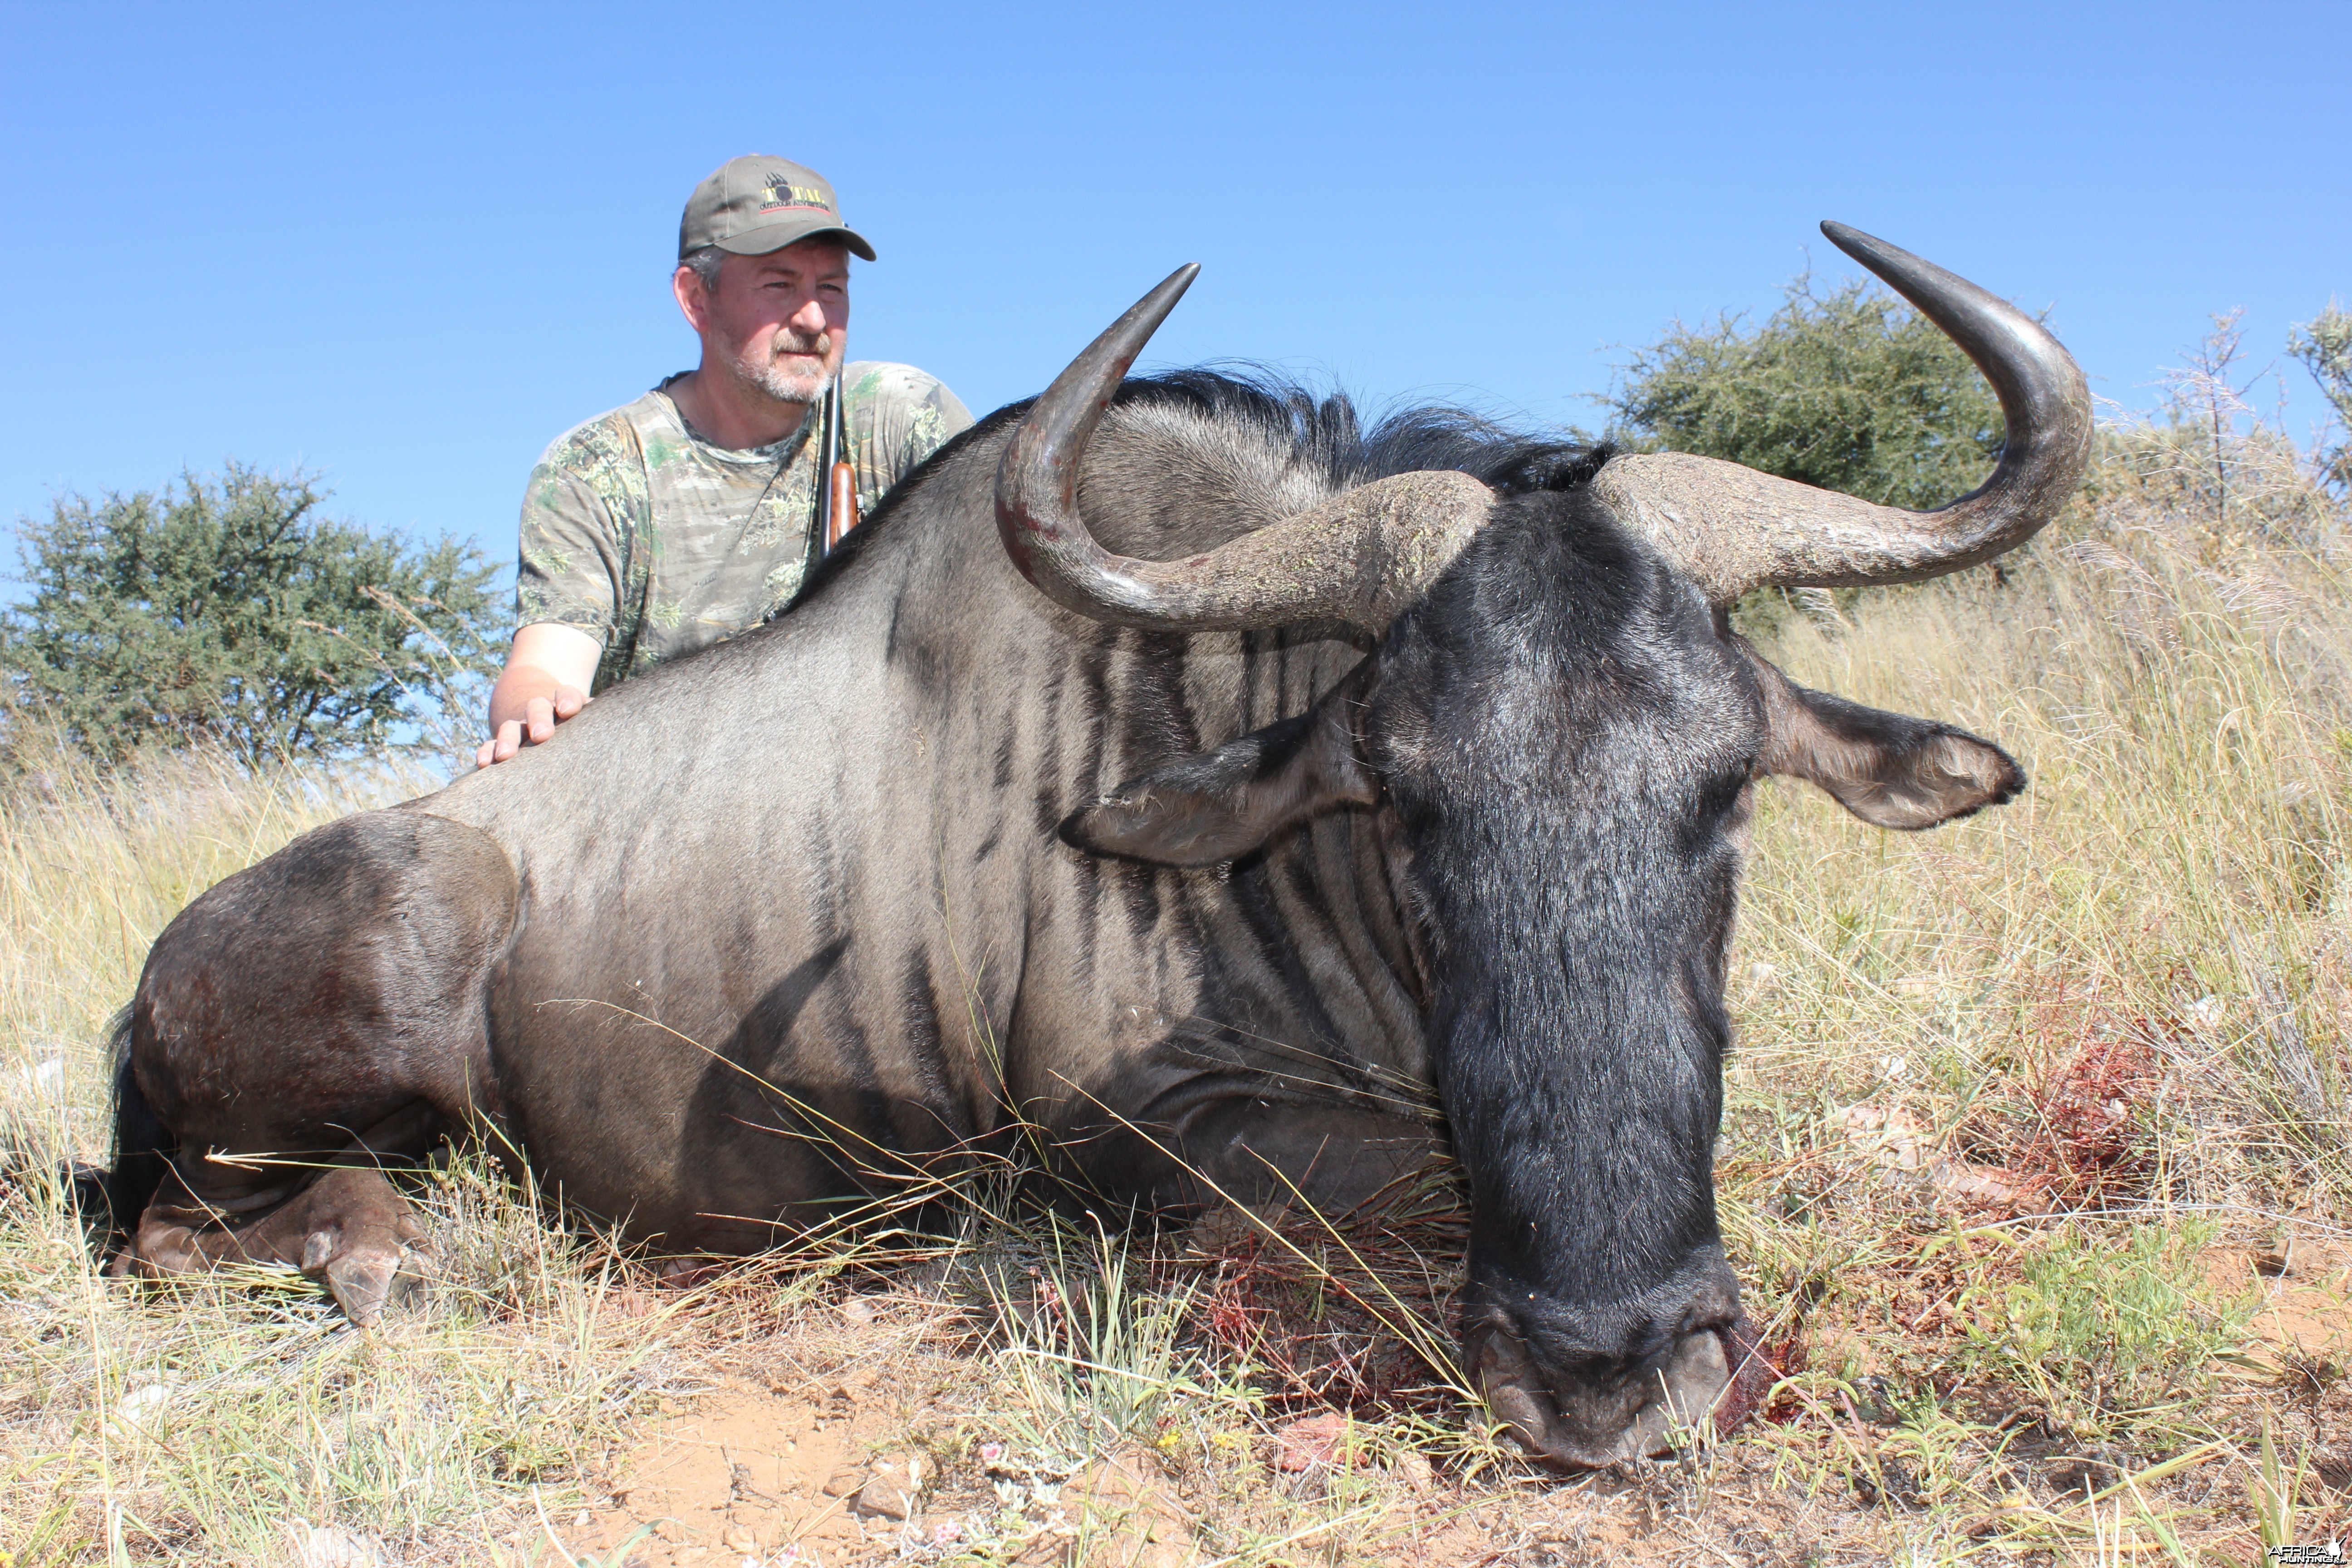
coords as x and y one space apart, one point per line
406 246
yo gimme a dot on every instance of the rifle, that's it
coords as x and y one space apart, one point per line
837 502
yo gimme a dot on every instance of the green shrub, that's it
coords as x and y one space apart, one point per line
2323 344
1851 390
228 609
2097 1325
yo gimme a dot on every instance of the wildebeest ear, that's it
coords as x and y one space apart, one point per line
1215 807
1886 768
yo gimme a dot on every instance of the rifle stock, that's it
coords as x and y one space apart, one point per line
841 515
838 508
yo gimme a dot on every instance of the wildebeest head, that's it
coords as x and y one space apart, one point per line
1559 733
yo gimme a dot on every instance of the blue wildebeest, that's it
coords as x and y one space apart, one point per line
1419 756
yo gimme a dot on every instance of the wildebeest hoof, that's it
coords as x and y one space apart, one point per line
371 1278
360 1237
157 1251
369 1270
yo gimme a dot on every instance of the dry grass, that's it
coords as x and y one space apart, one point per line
196 1428
2034 1160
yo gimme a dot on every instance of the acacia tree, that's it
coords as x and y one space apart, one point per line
2323 344
229 608
1851 390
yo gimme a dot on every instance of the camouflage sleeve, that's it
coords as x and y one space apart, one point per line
569 569
898 416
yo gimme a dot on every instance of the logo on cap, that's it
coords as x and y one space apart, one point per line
786 196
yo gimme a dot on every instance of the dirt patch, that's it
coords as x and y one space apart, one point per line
2306 1291
743 1473
865 1432
747 1477
750 1476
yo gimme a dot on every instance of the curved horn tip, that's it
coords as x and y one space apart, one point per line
1126 336
1866 248
1171 288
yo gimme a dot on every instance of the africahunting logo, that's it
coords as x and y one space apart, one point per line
786 196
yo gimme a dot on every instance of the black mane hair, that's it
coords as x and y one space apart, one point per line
1328 432
1324 434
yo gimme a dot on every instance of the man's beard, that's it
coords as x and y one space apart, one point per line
794 385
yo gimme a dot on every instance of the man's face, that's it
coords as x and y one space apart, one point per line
777 323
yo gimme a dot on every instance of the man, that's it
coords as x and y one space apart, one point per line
691 514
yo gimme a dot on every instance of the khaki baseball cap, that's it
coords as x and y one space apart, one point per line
757 204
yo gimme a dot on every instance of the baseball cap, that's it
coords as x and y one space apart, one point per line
757 204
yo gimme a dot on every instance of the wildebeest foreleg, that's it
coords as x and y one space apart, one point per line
1255 1150
345 1226
307 1021
1335 1158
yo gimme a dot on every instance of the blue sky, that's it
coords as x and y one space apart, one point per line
405 246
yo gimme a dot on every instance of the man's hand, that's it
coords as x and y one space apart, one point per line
545 682
540 716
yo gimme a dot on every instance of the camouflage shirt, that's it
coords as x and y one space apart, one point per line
656 542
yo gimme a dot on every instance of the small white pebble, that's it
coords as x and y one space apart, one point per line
1894 1067
139 1409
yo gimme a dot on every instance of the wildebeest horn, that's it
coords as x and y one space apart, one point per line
1731 529
1356 559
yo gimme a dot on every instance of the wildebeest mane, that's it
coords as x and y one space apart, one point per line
1323 435
1328 434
